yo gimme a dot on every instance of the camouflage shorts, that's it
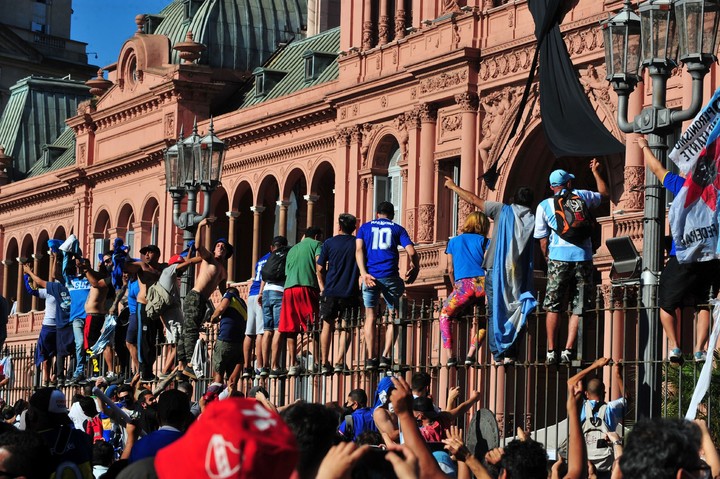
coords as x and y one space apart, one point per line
564 275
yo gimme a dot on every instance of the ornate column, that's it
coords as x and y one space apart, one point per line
468 102
426 209
633 197
311 200
412 125
367 26
257 217
342 174
384 23
35 301
20 291
6 278
282 221
366 198
232 216
353 167
399 20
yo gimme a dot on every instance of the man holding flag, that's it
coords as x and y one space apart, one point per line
693 270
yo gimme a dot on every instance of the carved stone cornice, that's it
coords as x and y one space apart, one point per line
516 57
442 81
276 127
277 156
35 197
41 218
468 101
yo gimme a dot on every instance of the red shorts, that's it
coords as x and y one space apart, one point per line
299 309
93 327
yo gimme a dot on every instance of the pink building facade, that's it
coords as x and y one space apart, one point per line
422 90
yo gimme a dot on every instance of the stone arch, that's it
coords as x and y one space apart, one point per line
242 201
60 233
322 186
386 174
268 193
125 228
10 270
149 222
41 252
219 206
295 195
27 249
102 223
383 146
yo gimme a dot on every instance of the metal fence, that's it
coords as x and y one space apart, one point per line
528 394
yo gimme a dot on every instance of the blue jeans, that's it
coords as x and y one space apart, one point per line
271 302
78 327
391 288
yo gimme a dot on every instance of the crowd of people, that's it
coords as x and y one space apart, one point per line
149 425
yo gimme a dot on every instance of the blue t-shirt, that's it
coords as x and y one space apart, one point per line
133 290
255 286
232 321
338 253
546 225
381 238
673 183
468 253
61 302
79 289
149 445
362 421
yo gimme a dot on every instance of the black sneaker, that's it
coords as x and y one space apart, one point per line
551 357
339 368
326 369
371 364
277 373
470 360
452 362
264 372
248 373
385 362
566 356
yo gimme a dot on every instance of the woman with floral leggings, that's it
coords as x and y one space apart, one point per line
466 253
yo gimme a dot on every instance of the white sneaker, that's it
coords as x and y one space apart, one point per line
111 376
551 357
566 357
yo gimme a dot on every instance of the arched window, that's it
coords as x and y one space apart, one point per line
389 187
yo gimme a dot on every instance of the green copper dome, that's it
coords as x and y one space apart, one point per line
239 34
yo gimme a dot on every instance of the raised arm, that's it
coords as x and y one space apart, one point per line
465 195
597 364
202 250
650 160
402 398
577 453
601 184
463 408
96 281
41 283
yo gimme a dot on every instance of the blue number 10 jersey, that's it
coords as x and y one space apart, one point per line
381 238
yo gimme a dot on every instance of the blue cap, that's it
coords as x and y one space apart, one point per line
228 247
560 177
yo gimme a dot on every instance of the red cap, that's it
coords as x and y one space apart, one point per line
232 438
176 259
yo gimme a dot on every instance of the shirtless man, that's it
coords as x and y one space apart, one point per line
148 271
212 275
96 305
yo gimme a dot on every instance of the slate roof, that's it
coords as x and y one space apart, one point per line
66 140
35 116
291 61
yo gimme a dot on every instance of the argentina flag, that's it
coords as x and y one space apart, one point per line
693 213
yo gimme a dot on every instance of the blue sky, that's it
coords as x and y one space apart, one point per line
105 25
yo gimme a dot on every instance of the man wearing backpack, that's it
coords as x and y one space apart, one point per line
270 297
599 420
568 252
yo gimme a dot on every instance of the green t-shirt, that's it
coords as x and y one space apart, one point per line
300 264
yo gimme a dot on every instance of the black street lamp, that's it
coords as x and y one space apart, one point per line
664 33
192 165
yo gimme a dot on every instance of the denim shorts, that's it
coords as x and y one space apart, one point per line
271 301
391 288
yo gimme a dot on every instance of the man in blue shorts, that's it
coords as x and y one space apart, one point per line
376 252
681 282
